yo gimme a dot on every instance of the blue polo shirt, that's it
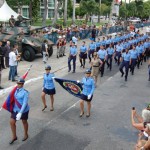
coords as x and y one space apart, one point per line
126 56
102 54
83 49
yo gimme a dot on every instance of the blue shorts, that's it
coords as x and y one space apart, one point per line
49 91
85 98
23 117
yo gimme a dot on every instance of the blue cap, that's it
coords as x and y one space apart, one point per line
48 67
88 71
21 80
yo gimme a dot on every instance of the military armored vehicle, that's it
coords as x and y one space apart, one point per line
29 46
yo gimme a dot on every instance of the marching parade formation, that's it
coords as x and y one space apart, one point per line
128 51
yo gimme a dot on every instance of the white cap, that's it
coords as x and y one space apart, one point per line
64 36
59 37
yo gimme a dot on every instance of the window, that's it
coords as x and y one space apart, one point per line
42 3
50 3
50 13
25 12
42 12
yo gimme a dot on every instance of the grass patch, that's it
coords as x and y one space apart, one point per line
69 22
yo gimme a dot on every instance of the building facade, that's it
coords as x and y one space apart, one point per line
50 12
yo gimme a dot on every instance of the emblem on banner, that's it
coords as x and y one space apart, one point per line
73 87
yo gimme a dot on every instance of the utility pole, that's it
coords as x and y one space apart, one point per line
74 9
125 24
99 16
65 12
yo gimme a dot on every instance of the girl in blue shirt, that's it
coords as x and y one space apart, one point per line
83 54
87 92
20 110
48 88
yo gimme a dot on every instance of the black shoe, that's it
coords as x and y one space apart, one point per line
64 55
73 71
87 115
101 75
57 56
13 80
122 75
24 139
12 141
107 66
1 88
69 70
81 66
44 108
125 78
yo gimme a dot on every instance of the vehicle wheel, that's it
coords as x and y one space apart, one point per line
28 53
50 51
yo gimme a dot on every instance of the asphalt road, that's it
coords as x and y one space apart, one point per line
108 127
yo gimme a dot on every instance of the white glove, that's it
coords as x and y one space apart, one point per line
78 81
89 96
18 116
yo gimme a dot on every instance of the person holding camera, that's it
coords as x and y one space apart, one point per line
45 51
87 92
139 125
48 88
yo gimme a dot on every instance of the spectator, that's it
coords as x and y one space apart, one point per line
12 65
145 118
141 143
45 51
6 53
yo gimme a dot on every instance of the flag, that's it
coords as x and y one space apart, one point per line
10 101
72 87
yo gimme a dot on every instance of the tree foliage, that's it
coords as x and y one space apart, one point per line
136 8
20 3
35 9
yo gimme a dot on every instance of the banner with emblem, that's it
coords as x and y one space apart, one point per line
72 87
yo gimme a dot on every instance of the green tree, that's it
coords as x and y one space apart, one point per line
90 7
146 9
18 3
105 9
35 10
139 7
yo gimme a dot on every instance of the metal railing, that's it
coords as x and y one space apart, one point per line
86 33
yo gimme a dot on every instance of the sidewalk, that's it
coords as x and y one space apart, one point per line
37 69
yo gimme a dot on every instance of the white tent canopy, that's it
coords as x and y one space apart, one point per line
6 12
